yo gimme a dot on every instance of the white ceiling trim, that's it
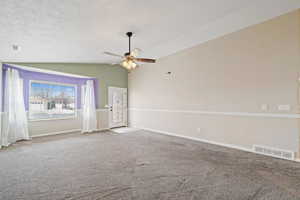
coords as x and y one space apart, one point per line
34 69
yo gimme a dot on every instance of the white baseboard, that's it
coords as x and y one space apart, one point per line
57 133
65 132
103 129
207 141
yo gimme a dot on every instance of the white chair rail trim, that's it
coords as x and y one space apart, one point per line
202 112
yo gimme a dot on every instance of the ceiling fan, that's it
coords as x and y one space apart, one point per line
130 60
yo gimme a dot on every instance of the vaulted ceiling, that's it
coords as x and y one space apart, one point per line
81 30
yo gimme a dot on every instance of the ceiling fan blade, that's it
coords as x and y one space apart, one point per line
135 52
147 60
112 54
115 64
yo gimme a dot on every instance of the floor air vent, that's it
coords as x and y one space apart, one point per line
289 155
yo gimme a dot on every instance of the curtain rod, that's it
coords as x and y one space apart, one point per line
34 69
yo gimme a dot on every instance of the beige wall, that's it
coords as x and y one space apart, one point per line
235 74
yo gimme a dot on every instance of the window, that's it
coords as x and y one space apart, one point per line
51 100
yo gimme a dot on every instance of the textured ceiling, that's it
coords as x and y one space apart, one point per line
81 30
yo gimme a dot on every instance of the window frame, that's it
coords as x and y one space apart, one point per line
52 83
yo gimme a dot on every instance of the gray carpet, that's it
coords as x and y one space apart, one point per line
140 165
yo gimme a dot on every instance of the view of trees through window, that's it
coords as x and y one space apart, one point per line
51 100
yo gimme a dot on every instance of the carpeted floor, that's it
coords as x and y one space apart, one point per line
140 165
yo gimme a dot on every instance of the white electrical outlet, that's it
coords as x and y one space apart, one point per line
284 107
199 130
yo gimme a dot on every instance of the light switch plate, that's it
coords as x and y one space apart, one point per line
264 107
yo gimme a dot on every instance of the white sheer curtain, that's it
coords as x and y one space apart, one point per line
89 118
14 119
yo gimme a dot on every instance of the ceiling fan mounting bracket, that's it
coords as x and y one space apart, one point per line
129 34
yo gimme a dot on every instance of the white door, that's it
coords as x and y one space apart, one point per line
117 100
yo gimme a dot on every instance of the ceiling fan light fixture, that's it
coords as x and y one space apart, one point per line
129 64
133 65
125 64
